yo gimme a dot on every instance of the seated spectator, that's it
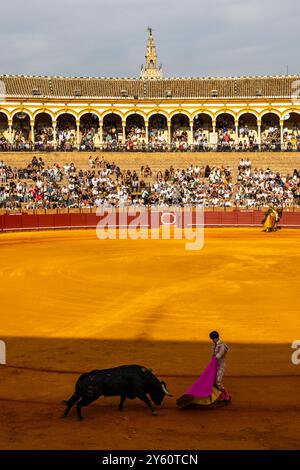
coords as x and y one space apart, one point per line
4 143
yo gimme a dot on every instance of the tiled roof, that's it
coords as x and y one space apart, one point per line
124 88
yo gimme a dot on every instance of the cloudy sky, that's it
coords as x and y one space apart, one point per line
108 37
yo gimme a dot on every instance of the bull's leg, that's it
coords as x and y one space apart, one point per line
148 402
81 403
121 404
69 403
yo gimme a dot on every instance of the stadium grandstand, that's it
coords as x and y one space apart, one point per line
150 113
104 184
76 144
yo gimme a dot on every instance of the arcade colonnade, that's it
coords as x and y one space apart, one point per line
168 122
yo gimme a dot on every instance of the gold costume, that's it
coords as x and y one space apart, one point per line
269 220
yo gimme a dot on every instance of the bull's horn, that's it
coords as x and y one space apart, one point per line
166 390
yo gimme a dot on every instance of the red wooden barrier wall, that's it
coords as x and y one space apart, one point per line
19 222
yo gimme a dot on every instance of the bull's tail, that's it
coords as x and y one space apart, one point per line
81 390
84 387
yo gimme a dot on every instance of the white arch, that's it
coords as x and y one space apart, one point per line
107 113
287 111
154 113
43 111
246 111
267 111
179 112
207 113
228 111
89 111
138 112
68 111
37 113
19 110
3 111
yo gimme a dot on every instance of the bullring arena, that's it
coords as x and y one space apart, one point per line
71 303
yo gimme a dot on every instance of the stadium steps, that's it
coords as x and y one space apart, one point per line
282 162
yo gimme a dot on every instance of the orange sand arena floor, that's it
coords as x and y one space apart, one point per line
71 303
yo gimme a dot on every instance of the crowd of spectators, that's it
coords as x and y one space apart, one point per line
64 138
180 139
112 138
225 134
257 187
158 133
247 140
200 141
291 138
21 141
88 135
210 187
43 139
135 137
40 186
104 184
270 138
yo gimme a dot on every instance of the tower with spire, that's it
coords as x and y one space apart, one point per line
151 70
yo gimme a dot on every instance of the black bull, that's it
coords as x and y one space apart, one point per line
125 381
